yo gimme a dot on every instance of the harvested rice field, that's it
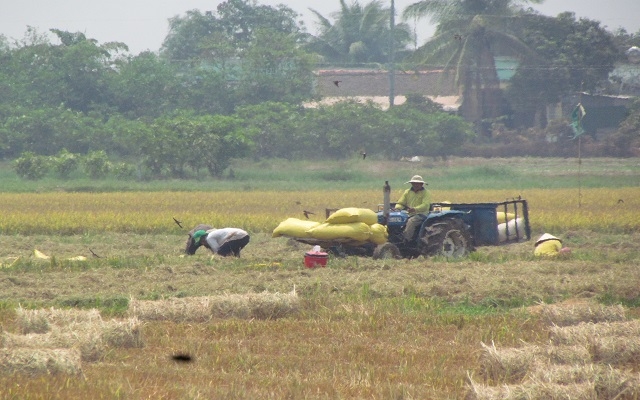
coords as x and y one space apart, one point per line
98 301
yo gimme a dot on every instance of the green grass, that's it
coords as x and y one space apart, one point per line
453 174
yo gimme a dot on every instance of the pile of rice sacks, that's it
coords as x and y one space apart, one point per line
509 222
358 225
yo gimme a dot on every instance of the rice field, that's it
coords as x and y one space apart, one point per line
599 210
110 308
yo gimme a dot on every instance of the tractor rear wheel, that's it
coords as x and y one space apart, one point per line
386 251
446 237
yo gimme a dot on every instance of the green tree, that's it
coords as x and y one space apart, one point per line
176 142
127 138
208 91
343 129
275 129
164 148
145 85
410 131
243 53
468 35
360 34
274 68
46 131
625 40
74 73
571 56
234 23
215 140
627 138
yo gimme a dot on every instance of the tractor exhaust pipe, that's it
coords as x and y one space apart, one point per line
386 201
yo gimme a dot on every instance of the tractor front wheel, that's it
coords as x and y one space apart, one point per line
446 237
386 250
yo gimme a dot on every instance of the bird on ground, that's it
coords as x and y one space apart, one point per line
307 213
364 155
620 201
182 358
94 254
337 83
177 222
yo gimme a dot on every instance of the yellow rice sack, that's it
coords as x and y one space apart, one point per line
379 234
504 217
294 227
355 230
442 206
353 214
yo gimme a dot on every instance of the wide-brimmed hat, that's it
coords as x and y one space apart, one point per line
416 179
197 235
545 237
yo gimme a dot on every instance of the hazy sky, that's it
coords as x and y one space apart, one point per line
142 24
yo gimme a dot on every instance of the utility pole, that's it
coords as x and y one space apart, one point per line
392 51
579 153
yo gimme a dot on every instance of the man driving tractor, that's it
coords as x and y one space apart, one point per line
417 202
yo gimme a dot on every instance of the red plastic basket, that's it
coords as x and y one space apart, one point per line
314 259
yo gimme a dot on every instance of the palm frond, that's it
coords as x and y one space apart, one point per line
426 8
322 20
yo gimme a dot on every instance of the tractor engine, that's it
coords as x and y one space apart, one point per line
395 224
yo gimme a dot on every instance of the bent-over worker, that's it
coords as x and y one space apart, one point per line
549 245
417 202
224 242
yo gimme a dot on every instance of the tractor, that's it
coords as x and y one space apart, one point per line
449 229
454 229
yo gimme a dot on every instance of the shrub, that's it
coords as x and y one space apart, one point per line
31 166
124 171
96 164
64 163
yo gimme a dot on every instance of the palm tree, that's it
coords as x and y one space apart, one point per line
360 34
469 33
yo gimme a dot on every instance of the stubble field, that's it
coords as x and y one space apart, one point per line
359 328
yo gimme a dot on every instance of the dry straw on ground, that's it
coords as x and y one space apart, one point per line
92 340
90 346
40 361
528 391
616 384
201 309
564 374
584 333
578 362
565 355
83 330
609 383
616 350
125 333
507 365
568 315
40 320
513 364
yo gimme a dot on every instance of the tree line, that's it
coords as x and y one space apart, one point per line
234 82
